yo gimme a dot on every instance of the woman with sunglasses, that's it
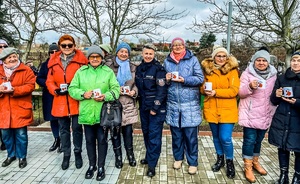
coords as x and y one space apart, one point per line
220 104
62 68
47 99
3 44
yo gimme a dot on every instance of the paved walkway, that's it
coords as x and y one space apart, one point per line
44 167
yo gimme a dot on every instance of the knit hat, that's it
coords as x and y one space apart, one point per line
296 54
94 49
106 47
150 46
123 45
3 42
53 46
217 49
8 51
261 54
177 39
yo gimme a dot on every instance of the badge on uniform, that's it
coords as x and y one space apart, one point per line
161 82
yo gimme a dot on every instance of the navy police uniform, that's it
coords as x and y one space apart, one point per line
151 82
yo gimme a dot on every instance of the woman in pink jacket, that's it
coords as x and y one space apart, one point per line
255 109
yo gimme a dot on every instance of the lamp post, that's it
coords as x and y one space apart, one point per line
229 25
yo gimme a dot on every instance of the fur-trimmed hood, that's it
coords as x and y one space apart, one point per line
208 65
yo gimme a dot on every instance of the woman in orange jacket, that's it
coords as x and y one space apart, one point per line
62 67
16 85
220 104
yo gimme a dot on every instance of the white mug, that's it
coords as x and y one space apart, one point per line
126 89
287 91
175 75
261 84
7 86
208 86
96 93
63 87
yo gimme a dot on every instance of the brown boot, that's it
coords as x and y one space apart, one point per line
248 170
258 167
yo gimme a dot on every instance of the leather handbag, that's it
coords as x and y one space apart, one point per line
111 114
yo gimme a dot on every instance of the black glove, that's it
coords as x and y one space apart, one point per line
58 92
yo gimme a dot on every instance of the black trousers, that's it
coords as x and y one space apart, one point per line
65 134
284 159
127 137
96 137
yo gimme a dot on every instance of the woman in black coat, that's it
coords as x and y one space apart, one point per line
47 100
285 128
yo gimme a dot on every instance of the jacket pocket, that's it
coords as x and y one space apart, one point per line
24 109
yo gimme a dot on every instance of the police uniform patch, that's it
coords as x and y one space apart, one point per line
156 102
161 82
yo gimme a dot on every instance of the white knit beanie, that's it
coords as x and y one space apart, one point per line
217 49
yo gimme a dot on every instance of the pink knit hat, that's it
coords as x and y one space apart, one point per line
179 39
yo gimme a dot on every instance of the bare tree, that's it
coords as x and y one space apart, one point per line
273 23
28 18
114 19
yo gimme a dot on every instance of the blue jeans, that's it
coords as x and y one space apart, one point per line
252 142
65 134
185 140
16 141
222 138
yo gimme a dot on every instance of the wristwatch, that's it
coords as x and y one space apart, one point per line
82 95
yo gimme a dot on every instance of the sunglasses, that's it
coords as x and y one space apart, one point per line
67 45
52 52
5 46
95 57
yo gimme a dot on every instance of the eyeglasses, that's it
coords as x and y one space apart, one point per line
95 57
67 45
177 45
52 52
219 56
4 46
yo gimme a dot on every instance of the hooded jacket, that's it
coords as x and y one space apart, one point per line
16 107
255 108
285 127
221 108
63 105
88 78
184 98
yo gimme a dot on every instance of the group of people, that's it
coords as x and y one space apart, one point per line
165 93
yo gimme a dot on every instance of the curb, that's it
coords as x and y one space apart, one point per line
139 131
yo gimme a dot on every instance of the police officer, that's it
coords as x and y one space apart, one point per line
151 82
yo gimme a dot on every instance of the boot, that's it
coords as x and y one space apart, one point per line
230 170
284 176
118 156
66 162
130 157
78 160
248 170
296 178
220 163
258 167
55 144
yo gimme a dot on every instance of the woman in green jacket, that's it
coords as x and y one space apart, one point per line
89 80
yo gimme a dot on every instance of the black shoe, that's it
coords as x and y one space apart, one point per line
22 163
230 170
78 160
284 176
219 163
59 149
144 161
3 147
130 156
8 161
66 162
151 171
90 172
100 174
55 145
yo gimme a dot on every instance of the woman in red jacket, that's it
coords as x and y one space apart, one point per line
62 67
16 85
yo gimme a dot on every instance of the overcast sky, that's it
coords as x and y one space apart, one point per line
194 8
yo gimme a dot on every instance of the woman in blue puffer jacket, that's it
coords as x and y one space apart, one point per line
184 76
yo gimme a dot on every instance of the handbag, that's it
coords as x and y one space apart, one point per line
111 115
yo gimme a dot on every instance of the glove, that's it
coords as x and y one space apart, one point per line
58 92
